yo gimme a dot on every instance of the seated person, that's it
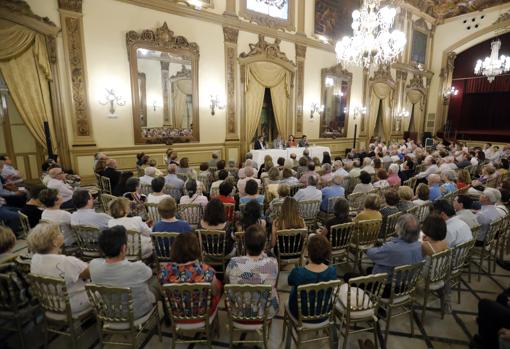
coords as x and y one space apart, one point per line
168 223
8 172
283 192
463 206
434 181
310 172
85 213
341 212
381 176
115 270
288 177
10 216
112 173
33 208
137 200
457 231
185 266
7 241
405 195
57 182
289 218
157 194
225 196
193 196
215 219
392 199
493 322
422 194
332 190
250 215
371 211
310 192
150 174
449 182
365 186
252 193
256 267
222 175
434 235
52 200
319 251
45 241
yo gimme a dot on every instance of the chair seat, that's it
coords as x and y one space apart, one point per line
188 326
396 300
341 304
255 326
336 253
63 317
306 325
287 261
436 285
138 323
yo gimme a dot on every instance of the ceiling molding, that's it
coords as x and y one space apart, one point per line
230 21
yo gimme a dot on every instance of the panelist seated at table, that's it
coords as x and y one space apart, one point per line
291 143
303 142
278 143
259 143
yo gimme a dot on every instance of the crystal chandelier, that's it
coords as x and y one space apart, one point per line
493 65
372 41
279 4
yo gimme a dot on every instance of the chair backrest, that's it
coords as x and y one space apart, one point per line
9 299
367 232
145 189
439 266
351 184
106 199
98 181
205 181
294 189
411 182
191 213
174 192
87 238
240 243
316 301
422 211
25 225
230 210
475 231
248 302
188 302
106 185
52 294
364 292
405 278
214 192
113 305
134 246
340 236
492 183
331 203
389 227
290 243
356 201
459 254
450 196
212 243
309 209
162 245
152 212
413 210
492 232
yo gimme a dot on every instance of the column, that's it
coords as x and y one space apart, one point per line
300 85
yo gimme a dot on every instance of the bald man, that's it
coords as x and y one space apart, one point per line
57 181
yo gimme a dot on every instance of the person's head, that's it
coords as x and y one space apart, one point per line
167 208
191 187
172 169
373 202
283 190
286 173
214 213
434 179
449 176
377 163
249 172
280 161
45 238
303 162
382 174
489 196
82 199
291 138
113 241
407 228
220 165
50 198
157 184
185 248
252 187
7 239
341 209
405 193
365 177
119 207
57 173
462 202
150 171
393 169
422 192
326 168
133 185
505 196
153 163
312 181
183 163
337 180
443 208
111 163
391 197
304 138
319 249
251 214
226 188
311 166
434 227
274 174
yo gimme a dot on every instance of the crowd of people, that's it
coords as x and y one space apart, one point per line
267 199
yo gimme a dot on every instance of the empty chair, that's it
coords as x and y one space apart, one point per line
87 239
115 317
436 277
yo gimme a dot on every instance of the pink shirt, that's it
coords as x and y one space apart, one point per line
394 179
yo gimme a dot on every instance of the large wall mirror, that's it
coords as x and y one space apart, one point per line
164 85
336 91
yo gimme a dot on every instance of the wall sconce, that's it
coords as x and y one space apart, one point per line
112 99
154 105
329 82
357 111
447 93
315 108
216 103
399 115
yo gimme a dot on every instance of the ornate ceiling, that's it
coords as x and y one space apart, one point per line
441 9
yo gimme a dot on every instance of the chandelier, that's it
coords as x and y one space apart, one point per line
279 4
372 41
493 65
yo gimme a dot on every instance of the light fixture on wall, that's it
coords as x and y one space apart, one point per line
494 64
447 93
315 108
112 99
357 112
399 115
216 103
154 105
372 42
197 4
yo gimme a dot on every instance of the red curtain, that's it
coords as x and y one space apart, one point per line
482 85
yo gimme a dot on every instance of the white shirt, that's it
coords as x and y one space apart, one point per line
468 217
308 193
156 199
65 190
131 223
430 170
63 219
68 268
146 180
88 216
341 172
368 169
457 232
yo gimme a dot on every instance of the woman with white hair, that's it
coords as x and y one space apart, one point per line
393 178
449 178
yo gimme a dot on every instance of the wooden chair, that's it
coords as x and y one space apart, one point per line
230 210
388 229
106 199
358 302
99 184
205 181
106 185
162 244
191 213
411 182
213 246
403 289
54 300
309 211
240 243
366 235
290 246
340 237
189 306
248 311
436 277
15 310
294 189
115 316
459 256
87 238
351 183
487 252
25 225
134 246
450 196
356 201
315 314
153 212
145 189
174 192
469 259
422 212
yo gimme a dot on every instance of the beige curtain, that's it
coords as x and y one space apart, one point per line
416 100
26 69
381 93
261 75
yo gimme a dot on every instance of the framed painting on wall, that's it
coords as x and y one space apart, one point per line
333 18
419 47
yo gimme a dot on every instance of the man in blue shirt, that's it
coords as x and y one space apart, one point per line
333 189
434 181
168 223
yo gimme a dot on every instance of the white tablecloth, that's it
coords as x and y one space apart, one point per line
258 155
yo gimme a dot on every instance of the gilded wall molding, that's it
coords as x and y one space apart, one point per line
502 18
70 5
230 36
300 87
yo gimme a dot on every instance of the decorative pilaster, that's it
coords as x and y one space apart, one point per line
447 76
230 8
301 17
364 100
300 86
74 52
230 42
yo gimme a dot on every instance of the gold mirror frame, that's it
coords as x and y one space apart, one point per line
339 72
162 39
